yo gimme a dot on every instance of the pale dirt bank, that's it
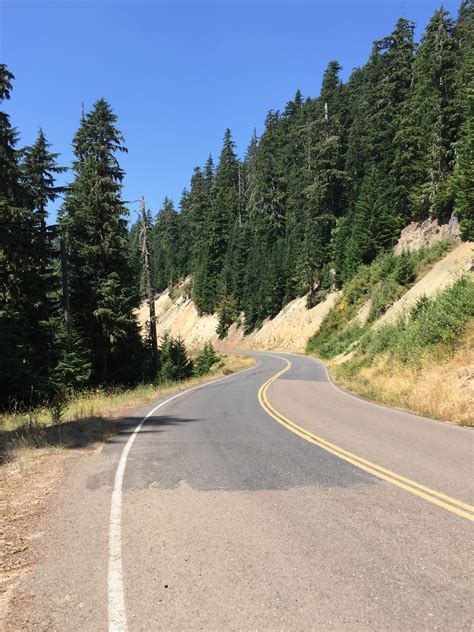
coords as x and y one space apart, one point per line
291 328
442 389
288 331
443 274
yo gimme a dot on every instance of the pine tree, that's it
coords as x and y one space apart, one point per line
205 360
165 247
219 222
38 170
18 274
434 118
464 98
174 362
103 292
227 313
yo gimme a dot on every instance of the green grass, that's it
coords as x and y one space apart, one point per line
382 283
432 323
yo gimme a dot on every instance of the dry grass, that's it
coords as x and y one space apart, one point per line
443 388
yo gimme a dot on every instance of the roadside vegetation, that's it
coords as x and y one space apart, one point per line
325 189
423 361
369 294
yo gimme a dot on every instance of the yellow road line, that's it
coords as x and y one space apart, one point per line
442 500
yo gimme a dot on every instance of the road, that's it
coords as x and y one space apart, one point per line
269 500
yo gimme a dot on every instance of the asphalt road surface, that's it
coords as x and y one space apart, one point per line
262 503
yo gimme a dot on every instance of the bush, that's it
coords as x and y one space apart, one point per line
436 322
384 281
338 342
205 360
174 362
405 269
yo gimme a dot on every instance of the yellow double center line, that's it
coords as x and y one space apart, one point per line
437 498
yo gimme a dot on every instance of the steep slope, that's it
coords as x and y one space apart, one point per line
291 328
443 274
288 331
366 330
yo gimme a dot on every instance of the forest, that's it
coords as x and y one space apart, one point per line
326 187
331 181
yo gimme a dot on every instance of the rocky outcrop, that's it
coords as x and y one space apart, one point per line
422 234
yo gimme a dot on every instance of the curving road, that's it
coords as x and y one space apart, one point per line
269 500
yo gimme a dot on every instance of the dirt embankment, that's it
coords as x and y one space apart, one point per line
443 274
291 328
288 331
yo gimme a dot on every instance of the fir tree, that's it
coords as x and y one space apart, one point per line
464 99
19 276
434 119
103 292
38 170
165 247
205 360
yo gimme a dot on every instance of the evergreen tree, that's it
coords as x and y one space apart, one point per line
227 313
219 222
18 273
464 98
103 292
38 170
205 360
174 362
165 247
433 118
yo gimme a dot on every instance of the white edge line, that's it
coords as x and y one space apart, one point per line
116 596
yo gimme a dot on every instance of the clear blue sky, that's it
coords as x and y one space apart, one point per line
178 73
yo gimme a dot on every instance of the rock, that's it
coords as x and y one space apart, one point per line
421 234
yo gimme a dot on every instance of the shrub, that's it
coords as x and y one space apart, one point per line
435 322
405 269
205 360
174 362
338 342
384 281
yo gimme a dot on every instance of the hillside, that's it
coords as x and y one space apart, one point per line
380 295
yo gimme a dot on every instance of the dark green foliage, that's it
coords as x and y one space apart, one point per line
381 283
205 360
332 180
439 321
174 362
405 270
227 313
464 169
27 275
317 201
73 367
165 247
103 288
